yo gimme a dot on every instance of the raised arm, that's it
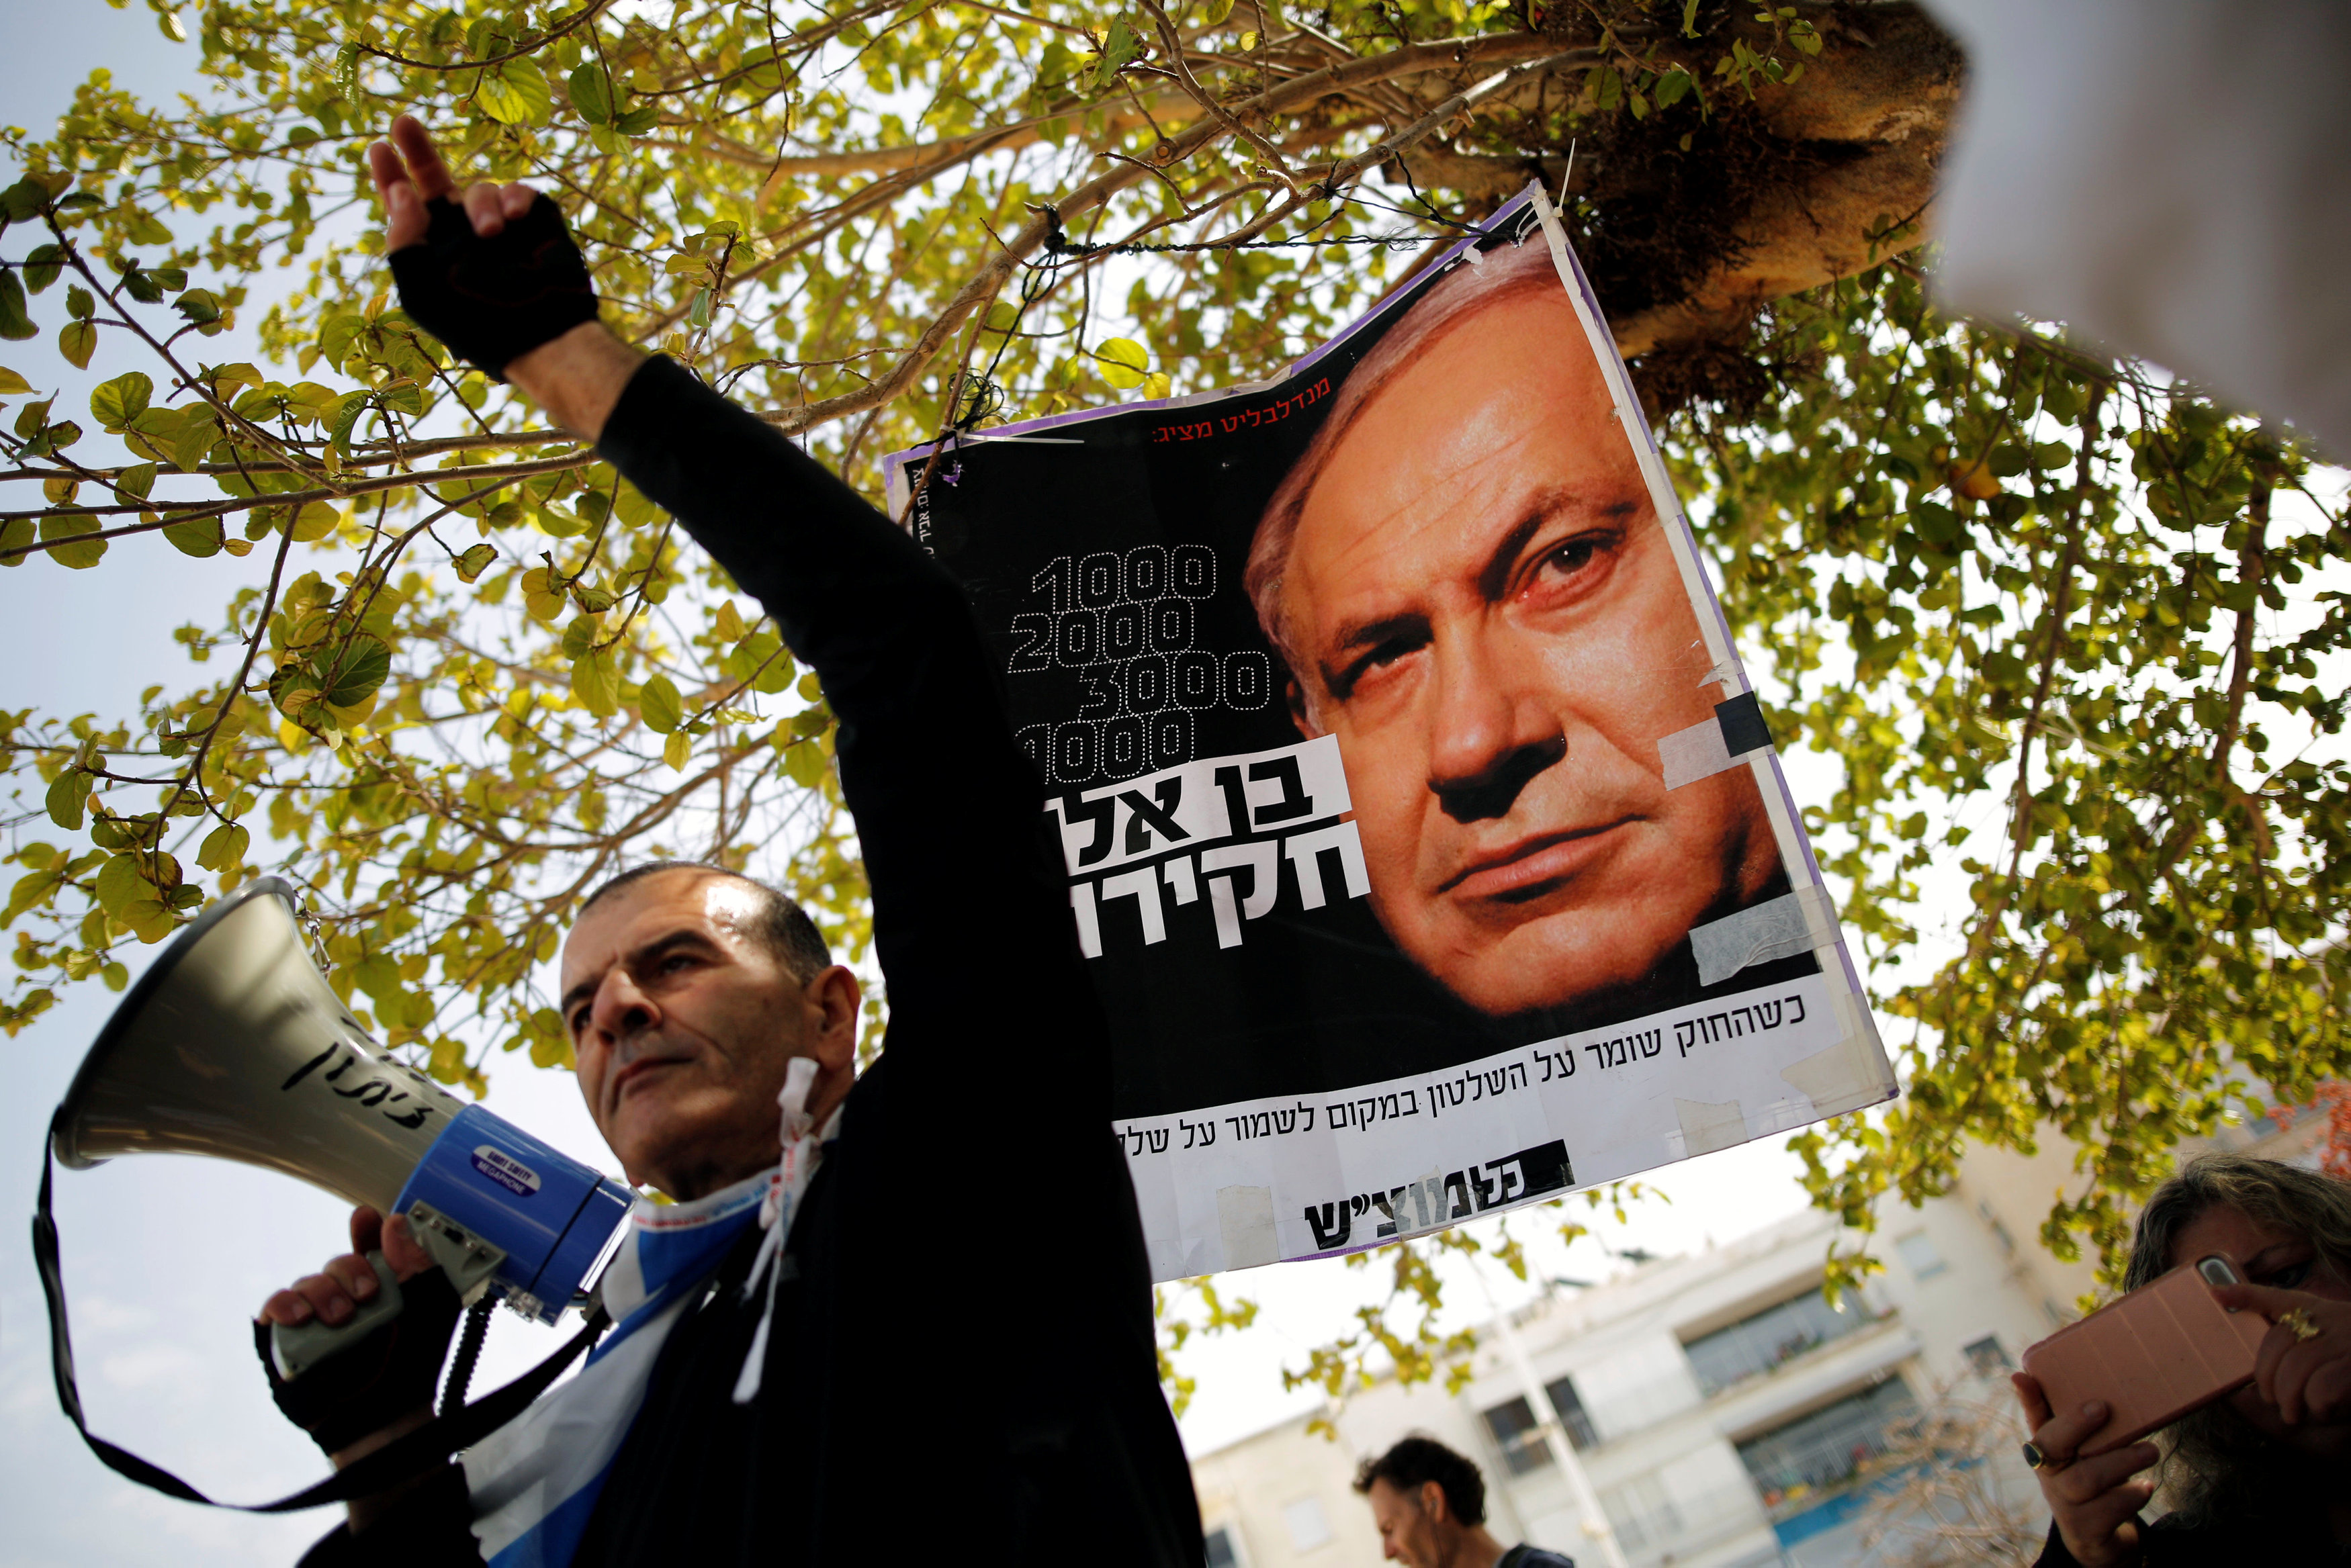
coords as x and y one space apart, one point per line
970 908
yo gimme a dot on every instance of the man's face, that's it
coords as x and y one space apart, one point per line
1408 1532
682 1021
1487 613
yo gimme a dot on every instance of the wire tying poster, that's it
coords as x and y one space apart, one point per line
1425 838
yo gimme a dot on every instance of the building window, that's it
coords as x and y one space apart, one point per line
1793 1464
1641 1512
1581 1432
1917 1249
1308 1528
1220 1550
2000 1231
1754 1346
1517 1434
1987 1357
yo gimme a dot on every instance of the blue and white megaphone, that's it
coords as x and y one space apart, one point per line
234 1045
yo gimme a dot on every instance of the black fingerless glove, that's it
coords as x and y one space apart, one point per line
493 300
366 1386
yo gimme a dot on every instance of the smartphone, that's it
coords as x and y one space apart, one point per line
2165 1349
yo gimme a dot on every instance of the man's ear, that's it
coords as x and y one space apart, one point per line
834 995
1432 1503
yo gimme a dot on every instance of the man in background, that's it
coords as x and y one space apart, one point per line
1430 1505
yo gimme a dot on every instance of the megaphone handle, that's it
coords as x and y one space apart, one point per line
296 1350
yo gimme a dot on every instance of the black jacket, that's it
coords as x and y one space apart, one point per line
963 1363
2242 1543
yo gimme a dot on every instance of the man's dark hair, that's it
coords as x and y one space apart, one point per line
783 925
1415 1462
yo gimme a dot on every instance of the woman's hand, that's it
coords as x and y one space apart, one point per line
2305 1375
2095 1501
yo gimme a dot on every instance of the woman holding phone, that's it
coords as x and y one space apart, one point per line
2260 1475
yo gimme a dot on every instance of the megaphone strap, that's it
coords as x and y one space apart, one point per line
399 1460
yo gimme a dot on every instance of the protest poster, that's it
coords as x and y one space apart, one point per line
1425 838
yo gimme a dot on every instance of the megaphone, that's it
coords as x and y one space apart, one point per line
234 1045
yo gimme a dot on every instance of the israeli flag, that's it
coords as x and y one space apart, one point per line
535 1480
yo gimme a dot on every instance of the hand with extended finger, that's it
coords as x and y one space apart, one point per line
384 1383
490 270
2095 1501
2304 1369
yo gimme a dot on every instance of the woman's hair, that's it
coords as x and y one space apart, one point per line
2214 1464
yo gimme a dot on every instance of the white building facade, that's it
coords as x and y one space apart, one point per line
1726 1415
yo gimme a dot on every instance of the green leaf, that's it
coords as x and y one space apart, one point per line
661 706
224 847
475 560
14 325
116 402
168 24
118 882
345 419
295 689
335 336
1122 362
199 429
78 340
1119 49
677 750
15 534
80 304
354 672
27 892
200 305
80 555
313 523
68 794
596 681
591 93
1215 11
11 384
23 200
515 93
198 536
225 378
804 763
346 73
639 121
42 264
137 480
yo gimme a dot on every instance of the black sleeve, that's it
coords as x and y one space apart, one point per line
431 1528
2054 1554
970 902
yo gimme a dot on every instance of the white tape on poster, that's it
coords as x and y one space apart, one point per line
1793 923
1306 1175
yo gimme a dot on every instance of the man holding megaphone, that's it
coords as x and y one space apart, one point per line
920 1290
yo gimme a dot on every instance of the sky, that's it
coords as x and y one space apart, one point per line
166 1258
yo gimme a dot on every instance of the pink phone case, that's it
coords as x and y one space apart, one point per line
2163 1350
